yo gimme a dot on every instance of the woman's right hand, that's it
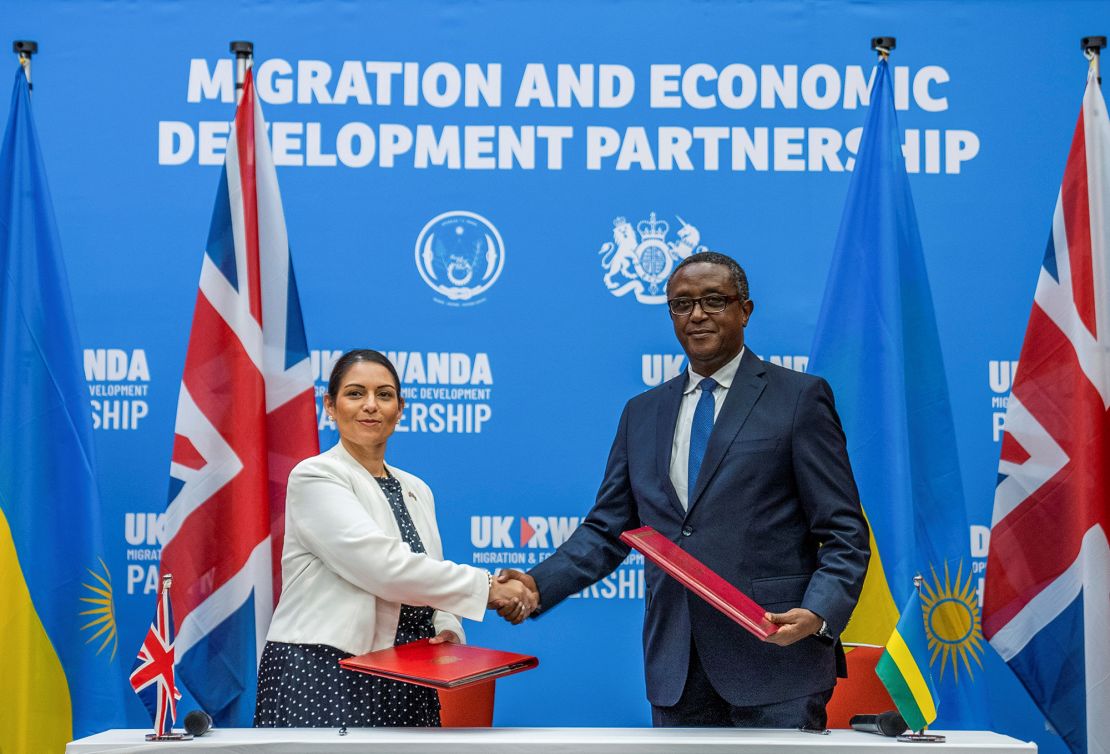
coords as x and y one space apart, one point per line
512 599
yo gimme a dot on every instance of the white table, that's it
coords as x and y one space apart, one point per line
544 741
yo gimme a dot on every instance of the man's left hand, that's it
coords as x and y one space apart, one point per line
794 625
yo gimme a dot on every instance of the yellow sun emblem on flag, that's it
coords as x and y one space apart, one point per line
952 623
102 622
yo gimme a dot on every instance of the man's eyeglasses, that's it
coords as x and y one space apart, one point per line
711 304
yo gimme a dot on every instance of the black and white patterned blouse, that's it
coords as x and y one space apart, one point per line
302 685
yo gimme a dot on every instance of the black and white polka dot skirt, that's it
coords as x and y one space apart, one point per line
302 686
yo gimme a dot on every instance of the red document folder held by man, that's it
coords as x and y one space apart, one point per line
440 666
699 579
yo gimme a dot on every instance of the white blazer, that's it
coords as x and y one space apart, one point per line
345 570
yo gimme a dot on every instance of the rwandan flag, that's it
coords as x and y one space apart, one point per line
61 676
900 668
877 345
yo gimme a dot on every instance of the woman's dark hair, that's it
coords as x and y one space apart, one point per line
349 359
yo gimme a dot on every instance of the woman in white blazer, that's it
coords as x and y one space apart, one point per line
363 569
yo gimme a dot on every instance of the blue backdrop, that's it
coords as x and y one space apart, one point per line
450 173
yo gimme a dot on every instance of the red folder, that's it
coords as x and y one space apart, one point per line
441 666
699 579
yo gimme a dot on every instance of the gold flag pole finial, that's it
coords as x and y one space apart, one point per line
25 48
1092 50
244 59
883 46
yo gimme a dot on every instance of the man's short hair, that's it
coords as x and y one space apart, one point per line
712 257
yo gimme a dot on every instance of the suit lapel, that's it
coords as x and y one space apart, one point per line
746 388
669 403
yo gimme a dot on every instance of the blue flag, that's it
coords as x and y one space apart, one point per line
61 672
877 345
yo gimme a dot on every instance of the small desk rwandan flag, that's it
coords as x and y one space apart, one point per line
900 668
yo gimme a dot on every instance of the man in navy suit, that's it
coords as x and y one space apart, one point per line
743 464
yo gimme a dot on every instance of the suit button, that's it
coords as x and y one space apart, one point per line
687 531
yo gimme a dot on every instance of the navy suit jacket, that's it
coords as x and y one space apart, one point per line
775 511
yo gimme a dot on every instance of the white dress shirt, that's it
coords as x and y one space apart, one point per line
345 569
680 446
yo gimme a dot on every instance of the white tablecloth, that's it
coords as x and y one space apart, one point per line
544 741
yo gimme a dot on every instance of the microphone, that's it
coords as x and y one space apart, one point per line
198 722
887 724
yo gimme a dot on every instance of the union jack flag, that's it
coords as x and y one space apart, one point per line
152 677
1046 606
246 415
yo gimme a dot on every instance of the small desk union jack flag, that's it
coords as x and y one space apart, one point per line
152 677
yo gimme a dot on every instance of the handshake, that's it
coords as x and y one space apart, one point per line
513 594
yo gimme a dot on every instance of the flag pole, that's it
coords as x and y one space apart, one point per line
1092 49
244 59
25 48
